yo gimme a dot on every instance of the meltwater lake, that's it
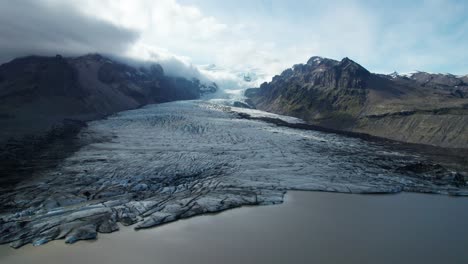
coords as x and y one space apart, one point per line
309 227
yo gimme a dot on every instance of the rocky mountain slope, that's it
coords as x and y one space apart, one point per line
37 93
418 108
45 98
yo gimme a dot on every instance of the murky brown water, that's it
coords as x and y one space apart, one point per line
310 227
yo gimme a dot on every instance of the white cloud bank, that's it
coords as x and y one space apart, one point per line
42 28
239 36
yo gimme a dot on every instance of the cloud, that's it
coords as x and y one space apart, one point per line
164 24
243 35
45 28
400 35
429 36
173 64
172 34
49 27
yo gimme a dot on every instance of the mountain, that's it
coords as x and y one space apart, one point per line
43 97
458 85
421 107
39 92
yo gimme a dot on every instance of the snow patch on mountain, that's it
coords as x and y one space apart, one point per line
232 82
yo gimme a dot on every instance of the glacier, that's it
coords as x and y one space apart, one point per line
164 162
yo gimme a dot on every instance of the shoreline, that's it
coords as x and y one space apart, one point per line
286 198
238 230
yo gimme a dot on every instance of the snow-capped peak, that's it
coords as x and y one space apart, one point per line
409 74
315 60
395 74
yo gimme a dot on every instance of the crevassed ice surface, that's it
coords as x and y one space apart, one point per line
164 162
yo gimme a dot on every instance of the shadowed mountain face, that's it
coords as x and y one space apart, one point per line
417 108
45 98
37 93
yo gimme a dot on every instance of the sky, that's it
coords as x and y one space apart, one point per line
265 36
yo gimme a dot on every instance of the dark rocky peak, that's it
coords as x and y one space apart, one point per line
315 60
321 61
301 68
319 64
287 73
349 65
297 69
324 72
346 74
314 64
264 85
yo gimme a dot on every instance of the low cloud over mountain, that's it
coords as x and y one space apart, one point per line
40 27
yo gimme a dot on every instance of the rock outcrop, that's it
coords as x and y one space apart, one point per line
418 108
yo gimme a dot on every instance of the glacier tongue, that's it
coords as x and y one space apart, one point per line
164 162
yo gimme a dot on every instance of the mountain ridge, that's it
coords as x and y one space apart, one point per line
83 88
343 95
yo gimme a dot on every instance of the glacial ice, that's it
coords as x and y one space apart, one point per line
160 163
